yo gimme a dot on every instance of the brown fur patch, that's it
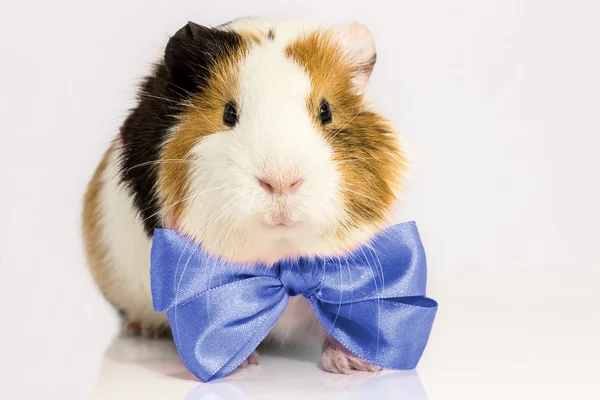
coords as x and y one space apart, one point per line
92 230
365 147
203 116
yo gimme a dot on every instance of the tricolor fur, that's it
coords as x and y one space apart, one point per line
177 164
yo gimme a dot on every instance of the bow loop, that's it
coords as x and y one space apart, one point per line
181 270
216 331
392 264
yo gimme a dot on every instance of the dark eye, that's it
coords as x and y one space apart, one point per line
325 112
230 115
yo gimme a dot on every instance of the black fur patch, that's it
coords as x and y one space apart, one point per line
183 74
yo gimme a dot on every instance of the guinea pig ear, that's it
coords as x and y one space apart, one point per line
192 50
358 46
179 53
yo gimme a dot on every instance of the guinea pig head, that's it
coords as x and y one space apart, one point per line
276 152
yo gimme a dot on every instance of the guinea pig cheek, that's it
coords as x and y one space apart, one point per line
215 195
179 169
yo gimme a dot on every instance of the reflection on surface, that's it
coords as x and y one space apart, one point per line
216 391
151 369
400 385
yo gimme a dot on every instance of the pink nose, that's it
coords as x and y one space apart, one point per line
280 186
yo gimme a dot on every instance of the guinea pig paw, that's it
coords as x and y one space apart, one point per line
337 359
156 331
132 328
150 331
253 359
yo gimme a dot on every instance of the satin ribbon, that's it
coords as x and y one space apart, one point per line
371 300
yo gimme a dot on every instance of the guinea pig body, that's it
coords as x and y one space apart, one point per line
256 139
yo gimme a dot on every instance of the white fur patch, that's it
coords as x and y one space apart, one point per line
128 246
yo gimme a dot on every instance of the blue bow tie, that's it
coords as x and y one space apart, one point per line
371 300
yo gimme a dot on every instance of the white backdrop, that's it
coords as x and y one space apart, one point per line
498 101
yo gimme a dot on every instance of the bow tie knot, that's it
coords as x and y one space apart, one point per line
301 277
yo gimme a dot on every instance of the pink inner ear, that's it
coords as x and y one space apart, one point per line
358 45
357 41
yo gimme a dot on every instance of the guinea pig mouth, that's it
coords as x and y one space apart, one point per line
281 215
280 220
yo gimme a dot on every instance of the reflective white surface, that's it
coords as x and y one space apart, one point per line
495 338
151 369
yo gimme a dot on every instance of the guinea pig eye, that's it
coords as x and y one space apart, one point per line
230 115
325 112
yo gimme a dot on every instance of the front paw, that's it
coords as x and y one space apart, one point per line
253 359
152 331
337 359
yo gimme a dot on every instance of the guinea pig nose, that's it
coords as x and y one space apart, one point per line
280 186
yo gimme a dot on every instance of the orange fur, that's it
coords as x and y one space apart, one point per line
366 149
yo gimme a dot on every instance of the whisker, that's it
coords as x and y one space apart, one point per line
378 302
164 210
208 225
146 94
381 272
190 103
166 161
204 116
178 287
354 158
340 301
344 126
364 195
352 291
214 219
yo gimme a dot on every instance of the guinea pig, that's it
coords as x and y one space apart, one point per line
256 139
